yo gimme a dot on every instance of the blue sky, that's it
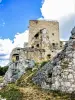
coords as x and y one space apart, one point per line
15 16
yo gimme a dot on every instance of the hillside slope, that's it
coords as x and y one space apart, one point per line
24 89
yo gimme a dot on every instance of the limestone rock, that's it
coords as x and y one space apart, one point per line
59 74
17 69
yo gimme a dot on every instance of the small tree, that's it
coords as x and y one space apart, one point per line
3 70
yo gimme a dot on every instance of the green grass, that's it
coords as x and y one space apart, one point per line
43 63
26 79
11 92
24 89
1 79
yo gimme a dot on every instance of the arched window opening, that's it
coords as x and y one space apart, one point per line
15 57
36 35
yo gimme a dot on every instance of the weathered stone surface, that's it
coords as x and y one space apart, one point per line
40 78
61 71
17 69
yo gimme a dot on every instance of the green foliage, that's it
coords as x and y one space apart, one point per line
26 79
58 95
37 65
1 79
11 93
28 69
43 63
3 70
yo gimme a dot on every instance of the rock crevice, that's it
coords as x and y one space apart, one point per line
59 74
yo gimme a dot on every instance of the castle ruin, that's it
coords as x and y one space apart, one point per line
43 44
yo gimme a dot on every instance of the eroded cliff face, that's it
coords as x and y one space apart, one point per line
59 74
17 69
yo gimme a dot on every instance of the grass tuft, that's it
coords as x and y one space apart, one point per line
11 92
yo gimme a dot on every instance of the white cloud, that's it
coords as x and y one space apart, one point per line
56 9
20 38
4 62
6 46
63 11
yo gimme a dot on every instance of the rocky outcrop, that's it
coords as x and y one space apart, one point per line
17 69
59 74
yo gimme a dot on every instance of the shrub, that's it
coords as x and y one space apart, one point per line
43 63
3 70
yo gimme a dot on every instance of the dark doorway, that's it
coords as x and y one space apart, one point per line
16 56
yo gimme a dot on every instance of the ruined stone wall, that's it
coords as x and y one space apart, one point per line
37 27
48 32
19 51
29 53
37 56
52 29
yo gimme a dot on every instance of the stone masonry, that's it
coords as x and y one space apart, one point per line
44 35
59 74
43 45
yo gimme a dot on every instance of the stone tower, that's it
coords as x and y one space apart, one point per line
44 35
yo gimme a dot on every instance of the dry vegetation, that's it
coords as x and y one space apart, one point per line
24 89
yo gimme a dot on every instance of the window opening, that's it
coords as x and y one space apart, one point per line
53 34
37 45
